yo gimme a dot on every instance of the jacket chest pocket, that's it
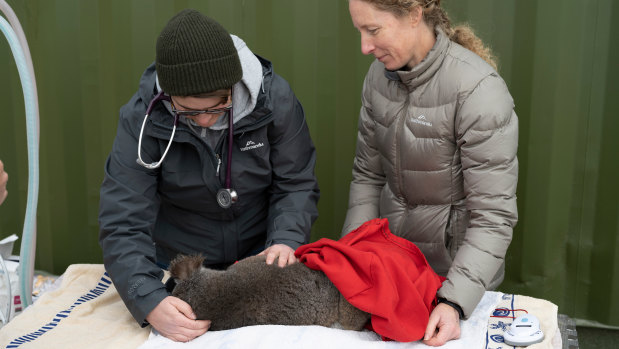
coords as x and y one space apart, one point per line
251 163
431 122
182 178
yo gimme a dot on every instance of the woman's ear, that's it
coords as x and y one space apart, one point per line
416 16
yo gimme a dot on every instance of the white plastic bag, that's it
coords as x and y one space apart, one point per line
12 307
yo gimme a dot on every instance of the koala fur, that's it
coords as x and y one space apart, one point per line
251 292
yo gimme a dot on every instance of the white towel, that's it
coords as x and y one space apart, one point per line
473 335
86 312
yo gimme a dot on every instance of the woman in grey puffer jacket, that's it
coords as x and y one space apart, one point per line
436 150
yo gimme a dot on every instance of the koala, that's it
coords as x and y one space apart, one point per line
250 292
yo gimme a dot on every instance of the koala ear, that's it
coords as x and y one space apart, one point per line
182 266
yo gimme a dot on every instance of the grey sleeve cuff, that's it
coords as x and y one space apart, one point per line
146 300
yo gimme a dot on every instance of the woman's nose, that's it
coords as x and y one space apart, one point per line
366 46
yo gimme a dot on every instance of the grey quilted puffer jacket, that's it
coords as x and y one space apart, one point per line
436 155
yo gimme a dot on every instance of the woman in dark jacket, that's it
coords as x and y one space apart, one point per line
225 168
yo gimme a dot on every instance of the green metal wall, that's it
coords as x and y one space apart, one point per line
559 58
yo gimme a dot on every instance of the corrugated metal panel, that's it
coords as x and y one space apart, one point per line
557 57
560 64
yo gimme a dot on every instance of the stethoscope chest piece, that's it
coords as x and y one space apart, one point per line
226 197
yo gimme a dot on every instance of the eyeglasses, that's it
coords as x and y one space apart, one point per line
193 112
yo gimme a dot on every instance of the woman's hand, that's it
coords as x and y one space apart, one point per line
443 326
174 319
4 177
285 254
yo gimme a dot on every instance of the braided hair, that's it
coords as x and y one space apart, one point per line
434 15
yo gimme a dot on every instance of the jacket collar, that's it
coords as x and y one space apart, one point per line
423 71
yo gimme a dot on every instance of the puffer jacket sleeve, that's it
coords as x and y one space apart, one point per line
487 137
368 177
294 190
127 214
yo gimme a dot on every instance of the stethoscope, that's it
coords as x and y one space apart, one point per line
225 196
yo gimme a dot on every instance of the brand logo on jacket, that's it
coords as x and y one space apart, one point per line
252 145
421 119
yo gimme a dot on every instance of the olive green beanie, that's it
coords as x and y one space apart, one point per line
195 54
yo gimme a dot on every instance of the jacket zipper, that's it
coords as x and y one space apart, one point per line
218 164
400 124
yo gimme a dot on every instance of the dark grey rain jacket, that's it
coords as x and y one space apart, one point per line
148 216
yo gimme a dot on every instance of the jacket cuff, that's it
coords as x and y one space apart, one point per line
452 290
453 305
147 299
290 243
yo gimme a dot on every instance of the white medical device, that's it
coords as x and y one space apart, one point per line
524 331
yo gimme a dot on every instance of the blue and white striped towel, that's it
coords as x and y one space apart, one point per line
84 312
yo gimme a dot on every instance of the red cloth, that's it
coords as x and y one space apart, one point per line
381 274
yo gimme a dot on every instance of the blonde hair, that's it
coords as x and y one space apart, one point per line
434 15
